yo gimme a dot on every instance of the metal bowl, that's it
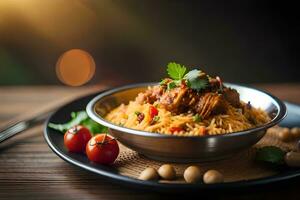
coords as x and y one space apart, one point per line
172 148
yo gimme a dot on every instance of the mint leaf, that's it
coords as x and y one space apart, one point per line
176 71
270 154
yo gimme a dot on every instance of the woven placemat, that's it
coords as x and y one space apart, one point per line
237 168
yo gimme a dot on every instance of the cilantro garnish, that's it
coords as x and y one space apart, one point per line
193 74
193 78
198 84
270 154
171 85
176 71
195 81
163 82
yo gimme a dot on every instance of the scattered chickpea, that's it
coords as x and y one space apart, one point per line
285 135
212 176
167 172
149 174
192 174
292 159
295 132
273 130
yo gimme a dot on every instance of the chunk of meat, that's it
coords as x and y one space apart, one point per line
210 103
183 99
172 99
232 96
150 95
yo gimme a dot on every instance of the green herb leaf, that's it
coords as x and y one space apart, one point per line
94 127
270 154
193 74
197 118
176 71
195 81
156 118
171 85
163 82
77 118
199 84
137 112
80 118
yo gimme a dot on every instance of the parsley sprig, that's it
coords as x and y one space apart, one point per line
193 78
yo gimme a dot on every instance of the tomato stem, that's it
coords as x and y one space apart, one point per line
103 142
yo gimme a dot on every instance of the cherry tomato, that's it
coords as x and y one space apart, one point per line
102 149
153 112
175 129
76 138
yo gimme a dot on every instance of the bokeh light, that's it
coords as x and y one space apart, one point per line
75 67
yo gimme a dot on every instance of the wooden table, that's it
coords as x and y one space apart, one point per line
30 170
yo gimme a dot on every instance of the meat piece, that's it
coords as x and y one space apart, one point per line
150 95
210 103
232 96
172 99
183 99
214 84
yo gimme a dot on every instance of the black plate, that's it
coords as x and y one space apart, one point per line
55 142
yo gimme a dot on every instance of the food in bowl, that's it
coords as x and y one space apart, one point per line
188 104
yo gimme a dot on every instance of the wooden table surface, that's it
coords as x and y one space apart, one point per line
30 170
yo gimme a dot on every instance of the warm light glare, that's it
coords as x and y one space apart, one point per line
75 67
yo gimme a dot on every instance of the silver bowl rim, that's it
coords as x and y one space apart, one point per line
281 114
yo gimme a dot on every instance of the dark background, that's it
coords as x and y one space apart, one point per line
247 41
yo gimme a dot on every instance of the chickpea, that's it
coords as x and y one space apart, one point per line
273 130
167 172
192 174
284 135
149 174
212 176
292 159
295 132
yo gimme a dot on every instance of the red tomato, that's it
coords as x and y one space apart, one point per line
175 129
153 112
102 149
203 130
76 138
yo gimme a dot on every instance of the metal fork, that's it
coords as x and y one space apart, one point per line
17 127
